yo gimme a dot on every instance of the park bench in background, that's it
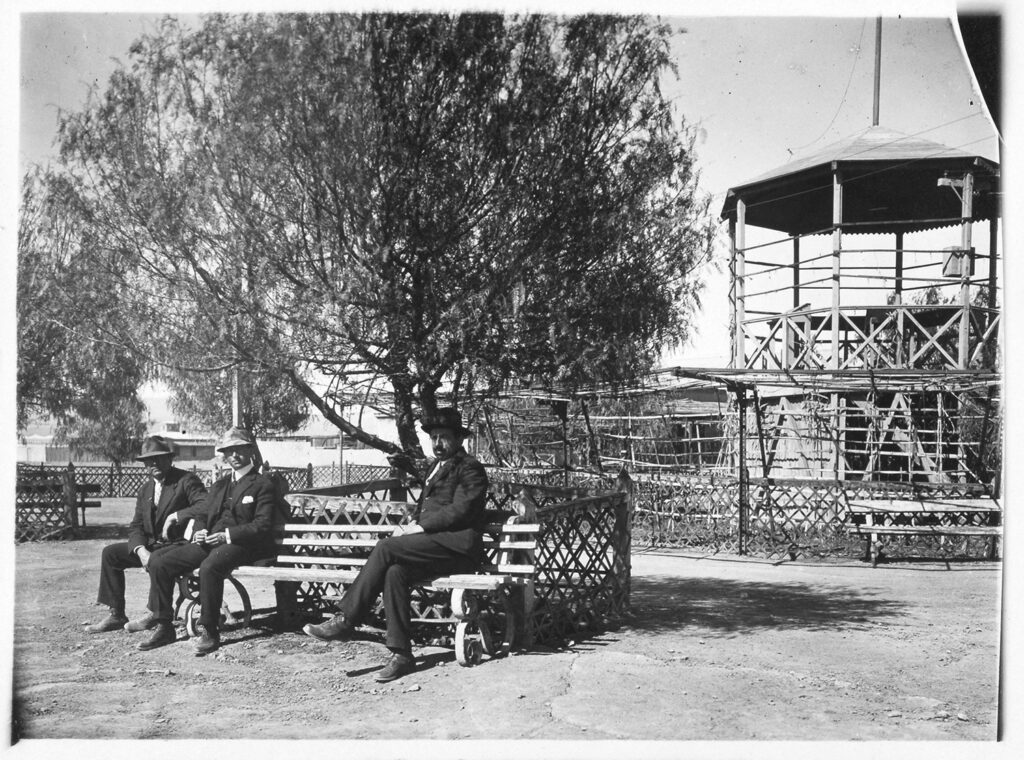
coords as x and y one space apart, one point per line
871 519
82 501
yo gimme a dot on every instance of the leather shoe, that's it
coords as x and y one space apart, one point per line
399 665
145 623
335 629
163 634
206 642
111 622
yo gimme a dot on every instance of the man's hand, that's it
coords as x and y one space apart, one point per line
144 554
215 539
172 519
199 537
407 530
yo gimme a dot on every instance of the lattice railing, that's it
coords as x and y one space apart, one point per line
906 336
583 566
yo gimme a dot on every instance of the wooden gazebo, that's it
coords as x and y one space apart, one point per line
872 357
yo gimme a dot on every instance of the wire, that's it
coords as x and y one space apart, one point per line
842 100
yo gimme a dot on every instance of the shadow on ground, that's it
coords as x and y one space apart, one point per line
99 533
728 607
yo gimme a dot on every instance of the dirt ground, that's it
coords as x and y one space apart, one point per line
715 649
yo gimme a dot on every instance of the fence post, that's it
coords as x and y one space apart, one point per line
70 496
624 528
110 485
309 475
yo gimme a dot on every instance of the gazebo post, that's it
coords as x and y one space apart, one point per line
967 211
898 298
837 245
739 243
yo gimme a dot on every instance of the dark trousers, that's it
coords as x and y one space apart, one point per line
393 566
215 564
115 559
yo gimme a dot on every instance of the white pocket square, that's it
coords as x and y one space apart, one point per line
247 499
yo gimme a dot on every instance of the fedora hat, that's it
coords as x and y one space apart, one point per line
155 446
236 437
446 417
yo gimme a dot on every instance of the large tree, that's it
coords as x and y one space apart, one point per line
412 203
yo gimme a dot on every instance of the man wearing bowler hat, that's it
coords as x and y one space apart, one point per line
444 537
166 491
235 526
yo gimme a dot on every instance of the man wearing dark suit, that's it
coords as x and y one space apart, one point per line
444 537
235 526
168 490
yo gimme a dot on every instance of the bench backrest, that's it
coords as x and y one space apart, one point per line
509 548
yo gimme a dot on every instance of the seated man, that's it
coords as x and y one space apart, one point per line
234 527
445 537
167 490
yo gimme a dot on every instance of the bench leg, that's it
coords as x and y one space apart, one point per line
877 555
470 631
286 596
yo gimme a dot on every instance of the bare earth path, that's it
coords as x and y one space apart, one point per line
716 649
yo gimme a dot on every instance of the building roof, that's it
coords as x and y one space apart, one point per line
890 183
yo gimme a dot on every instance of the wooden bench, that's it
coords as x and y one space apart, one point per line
488 609
872 518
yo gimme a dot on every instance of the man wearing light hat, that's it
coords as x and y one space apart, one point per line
166 491
444 537
235 526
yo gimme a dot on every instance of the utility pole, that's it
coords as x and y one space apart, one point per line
878 70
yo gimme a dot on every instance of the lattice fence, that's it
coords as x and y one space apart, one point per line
125 481
784 517
41 510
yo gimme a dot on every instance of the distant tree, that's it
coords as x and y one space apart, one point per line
112 431
405 202
272 402
71 369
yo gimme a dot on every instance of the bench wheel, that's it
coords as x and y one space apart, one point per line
469 643
232 614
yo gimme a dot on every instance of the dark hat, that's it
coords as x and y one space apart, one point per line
236 437
155 446
446 417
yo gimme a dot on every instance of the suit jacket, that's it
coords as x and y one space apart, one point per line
452 504
248 510
181 490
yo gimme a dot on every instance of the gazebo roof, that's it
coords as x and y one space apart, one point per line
890 183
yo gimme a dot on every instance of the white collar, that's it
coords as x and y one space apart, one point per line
237 475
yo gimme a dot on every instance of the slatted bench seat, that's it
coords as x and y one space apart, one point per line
872 518
488 609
